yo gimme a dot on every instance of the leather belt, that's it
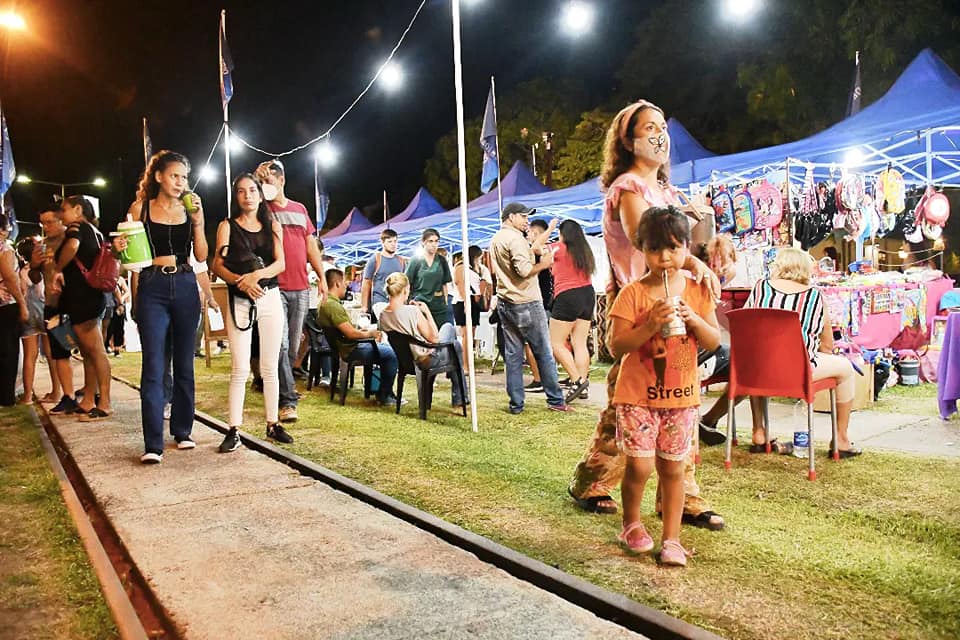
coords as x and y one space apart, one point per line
170 269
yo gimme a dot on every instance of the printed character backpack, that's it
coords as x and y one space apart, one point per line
722 203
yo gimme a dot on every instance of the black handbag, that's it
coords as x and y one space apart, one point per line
241 262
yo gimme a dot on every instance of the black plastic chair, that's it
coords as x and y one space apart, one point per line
407 366
341 364
319 348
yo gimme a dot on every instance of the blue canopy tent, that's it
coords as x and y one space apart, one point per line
422 204
518 181
355 221
914 128
582 202
684 151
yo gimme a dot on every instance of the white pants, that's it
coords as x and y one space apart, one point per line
271 323
839 367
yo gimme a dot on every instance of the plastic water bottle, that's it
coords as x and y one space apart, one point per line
801 443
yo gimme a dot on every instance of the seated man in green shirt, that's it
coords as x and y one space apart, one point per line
332 314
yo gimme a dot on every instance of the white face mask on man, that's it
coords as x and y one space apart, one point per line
270 192
655 148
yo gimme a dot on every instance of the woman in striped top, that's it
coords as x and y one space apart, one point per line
790 288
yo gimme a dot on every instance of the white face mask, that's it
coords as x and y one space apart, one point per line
270 192
656 148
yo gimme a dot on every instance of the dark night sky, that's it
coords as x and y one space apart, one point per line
76 86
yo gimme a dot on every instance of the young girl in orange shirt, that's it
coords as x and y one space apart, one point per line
657 395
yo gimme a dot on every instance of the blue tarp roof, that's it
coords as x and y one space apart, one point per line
355 221
518 181
925 96
422 204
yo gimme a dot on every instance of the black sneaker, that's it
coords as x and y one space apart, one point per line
534 387
231 442
66 406
578 390
711 436
276 432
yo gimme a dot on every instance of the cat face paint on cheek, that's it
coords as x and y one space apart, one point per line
652 148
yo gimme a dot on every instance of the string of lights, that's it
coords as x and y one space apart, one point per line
353 104
910 264
206 165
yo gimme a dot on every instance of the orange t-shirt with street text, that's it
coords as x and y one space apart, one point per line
663 373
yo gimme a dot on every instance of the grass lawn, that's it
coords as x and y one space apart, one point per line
47 588
870 550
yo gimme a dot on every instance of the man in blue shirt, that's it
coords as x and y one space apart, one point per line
373 294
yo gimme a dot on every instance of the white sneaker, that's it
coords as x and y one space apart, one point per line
166 411
186 443
216 351
324 381
151 458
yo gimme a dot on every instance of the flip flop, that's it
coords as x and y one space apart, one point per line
592 505
704 520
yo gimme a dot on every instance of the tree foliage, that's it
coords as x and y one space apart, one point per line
778 77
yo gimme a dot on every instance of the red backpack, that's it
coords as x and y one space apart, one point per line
105 270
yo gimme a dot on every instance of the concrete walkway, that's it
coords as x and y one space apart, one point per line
922 435
239 546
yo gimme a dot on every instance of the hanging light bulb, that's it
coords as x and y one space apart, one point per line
904 251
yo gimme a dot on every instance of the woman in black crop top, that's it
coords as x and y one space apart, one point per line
165 298
248 258
84 304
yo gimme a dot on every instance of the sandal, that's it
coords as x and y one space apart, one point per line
95 415
704 520
592 505
783 448
641 543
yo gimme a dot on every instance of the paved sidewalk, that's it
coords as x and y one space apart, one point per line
239 546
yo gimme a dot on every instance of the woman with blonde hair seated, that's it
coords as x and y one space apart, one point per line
789 288
415 320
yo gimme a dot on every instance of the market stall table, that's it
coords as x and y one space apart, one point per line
874 329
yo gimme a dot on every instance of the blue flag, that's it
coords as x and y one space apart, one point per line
8 173
320 197
226 63
488 142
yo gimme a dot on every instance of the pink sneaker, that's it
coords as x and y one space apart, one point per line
635 539
673 554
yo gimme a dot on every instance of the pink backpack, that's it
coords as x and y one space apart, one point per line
768 205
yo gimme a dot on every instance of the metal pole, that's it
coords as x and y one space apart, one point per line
462 166
226 115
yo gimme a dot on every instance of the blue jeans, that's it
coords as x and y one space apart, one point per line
441 357
527 322
166 303
295 305
388 366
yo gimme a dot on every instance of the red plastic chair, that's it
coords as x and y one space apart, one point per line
768 358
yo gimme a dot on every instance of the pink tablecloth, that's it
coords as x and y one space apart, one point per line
880 329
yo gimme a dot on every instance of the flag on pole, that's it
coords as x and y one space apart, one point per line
853 103
226 63
488 142
8 173
320 196
386 207
147 144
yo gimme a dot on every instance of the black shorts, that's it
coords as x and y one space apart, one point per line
460 314
57 352
574 304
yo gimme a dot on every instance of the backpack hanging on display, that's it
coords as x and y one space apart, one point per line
849 193
768 205
890 182
743 213
722 203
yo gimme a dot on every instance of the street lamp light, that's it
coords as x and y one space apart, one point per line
577 18
391 76
96 182
741 10
12 21
326 154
